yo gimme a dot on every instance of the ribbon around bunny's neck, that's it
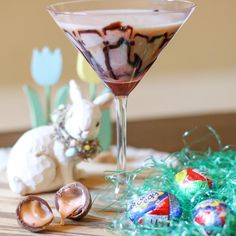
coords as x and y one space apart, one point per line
86 149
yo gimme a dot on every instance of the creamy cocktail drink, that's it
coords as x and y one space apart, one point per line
121 40
121 45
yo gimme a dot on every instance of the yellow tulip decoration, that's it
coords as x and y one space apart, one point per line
85 72
88 75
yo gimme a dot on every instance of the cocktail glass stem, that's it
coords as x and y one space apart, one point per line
121 40
121 107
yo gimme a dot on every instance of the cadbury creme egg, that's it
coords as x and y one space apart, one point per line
34 214
73 201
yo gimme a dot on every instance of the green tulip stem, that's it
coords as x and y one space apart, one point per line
92 91
47 92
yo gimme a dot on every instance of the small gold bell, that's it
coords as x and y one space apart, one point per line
87 147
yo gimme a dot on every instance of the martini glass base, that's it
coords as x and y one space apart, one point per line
107 203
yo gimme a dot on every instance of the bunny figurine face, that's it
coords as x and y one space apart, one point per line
83 119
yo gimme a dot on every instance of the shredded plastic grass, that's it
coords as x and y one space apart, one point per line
218 161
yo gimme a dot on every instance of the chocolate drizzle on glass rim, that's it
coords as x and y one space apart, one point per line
139 51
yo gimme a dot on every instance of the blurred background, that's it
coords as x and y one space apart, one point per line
196 74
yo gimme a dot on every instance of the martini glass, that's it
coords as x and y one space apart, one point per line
121 40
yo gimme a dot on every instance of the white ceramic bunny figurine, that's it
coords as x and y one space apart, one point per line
44 158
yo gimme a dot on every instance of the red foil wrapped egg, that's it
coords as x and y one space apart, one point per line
192 181
154 207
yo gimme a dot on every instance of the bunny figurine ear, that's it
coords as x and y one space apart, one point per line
104 101
75 93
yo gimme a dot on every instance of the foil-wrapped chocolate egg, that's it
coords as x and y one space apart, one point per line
73 201
154 207
210 213
192 181
34 214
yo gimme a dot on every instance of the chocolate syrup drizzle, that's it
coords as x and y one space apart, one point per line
118 26
128 40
